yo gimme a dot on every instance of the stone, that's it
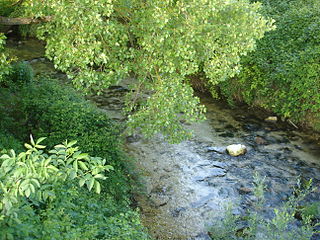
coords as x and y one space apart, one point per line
272 119
259 140
133 138
244 190
203 200
236 149
178 211
220 150
217 172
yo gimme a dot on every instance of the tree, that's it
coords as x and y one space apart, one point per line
160 43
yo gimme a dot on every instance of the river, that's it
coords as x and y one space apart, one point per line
188 185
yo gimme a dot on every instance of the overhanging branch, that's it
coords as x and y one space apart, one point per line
23 21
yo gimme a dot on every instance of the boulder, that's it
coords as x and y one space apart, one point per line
236 149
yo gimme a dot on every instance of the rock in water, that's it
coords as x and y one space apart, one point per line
272 119
236 149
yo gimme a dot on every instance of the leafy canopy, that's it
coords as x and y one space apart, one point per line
161 43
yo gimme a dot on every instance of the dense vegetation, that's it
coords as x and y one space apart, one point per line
285 67
167 45
161 43
48 202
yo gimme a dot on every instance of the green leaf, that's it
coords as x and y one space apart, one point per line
82 182
36 182
70 144
75 165
90 183
28 146
97 187
27 192
82 156
83 165
100 176
40 140
73 174
40 146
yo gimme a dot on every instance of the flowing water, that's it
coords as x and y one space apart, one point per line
188 185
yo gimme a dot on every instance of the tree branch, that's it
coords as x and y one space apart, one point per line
17 3
23 21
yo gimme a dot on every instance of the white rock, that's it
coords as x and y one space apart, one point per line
236 149
271 119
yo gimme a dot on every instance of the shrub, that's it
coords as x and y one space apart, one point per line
40 197
21 73
8 141
253 226
285 66
57 111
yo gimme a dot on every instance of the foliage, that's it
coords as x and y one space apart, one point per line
21 73
8 141
311 210
161 43
282 226
32 173
48 108
40 198
4 61
285 66
59 112
6 7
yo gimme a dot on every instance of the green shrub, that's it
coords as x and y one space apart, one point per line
8 141
282 226
75 214
48 108
21 73
6 7
40 197
311 210
285 66
57 111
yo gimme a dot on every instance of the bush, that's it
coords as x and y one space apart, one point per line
48 108
8 141
285 66
253 226
40 197
57 111
21 73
